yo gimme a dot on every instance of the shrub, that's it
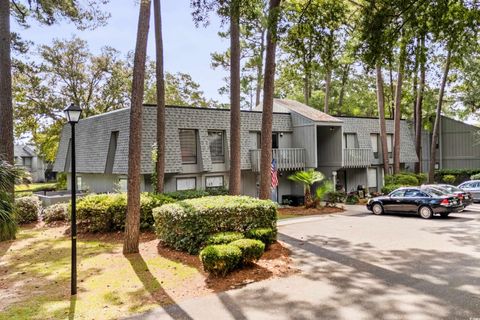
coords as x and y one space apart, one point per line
475 177
448 178
107 212
61 181
8 225
187 224
187 194
224 237
218 191
332 198
461 175
352 199
56 212
27 209
404 179
386 189
220 259
421 177
266 235
251 249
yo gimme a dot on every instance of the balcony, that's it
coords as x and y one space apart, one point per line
357 157
287 158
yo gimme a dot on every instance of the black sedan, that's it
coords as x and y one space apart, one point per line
463 196
414 200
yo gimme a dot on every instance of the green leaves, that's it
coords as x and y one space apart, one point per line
308 177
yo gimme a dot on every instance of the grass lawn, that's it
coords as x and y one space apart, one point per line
34 186
35 276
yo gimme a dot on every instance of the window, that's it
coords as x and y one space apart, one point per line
122 184
214 182
397 194
112 149
350 140
374 140
275 143
186 184
79 183
414 193
389 144
216 142
372 178
188 146
27 161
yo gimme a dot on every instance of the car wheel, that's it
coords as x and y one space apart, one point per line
377 209
444 215
425 212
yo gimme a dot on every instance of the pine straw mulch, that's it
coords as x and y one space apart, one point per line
302 211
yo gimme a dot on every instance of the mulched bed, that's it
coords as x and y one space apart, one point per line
301 211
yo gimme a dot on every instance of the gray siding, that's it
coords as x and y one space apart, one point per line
329 150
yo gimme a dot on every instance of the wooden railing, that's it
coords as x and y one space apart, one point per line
357 157
287 158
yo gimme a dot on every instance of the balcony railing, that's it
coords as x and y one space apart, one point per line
287 158
357 157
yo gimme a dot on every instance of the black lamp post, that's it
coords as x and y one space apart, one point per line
72 114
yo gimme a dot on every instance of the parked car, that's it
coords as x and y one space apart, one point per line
472 186
462 195
415 200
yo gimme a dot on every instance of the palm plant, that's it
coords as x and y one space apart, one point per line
8 226
307 178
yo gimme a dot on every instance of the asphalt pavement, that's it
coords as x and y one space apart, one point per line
356 265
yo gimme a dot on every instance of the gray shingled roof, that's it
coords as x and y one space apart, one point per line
93 136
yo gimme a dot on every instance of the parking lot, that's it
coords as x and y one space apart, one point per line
359 266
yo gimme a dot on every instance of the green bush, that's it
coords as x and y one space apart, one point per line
220 259
332 198
449 178
421 177
266 235
251 249
61 181
386 189
27 209
404 179
224 237
461 175
187 224
352 199
475 176
56 212
8 225
187 194
107 212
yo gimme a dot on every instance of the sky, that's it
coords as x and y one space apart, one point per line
186 48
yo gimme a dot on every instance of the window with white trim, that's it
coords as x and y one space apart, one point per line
188 146
186 184
389 144
213 182
372 178
374 141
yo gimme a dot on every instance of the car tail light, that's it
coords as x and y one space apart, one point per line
445 202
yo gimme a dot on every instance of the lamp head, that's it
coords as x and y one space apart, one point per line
72 113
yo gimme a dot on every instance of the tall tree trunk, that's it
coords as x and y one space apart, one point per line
438 114
381 117
268 90
306 87
132 224
398 109
328 80
415 83
258 90
391 103
235 151
6 108
418 105
160 165
345 72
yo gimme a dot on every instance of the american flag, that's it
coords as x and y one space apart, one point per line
274 174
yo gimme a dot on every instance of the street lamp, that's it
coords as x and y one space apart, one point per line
72 113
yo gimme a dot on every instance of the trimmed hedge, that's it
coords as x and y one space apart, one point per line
27 209
251 249
266 235
220 259
224 237
461 175
475 177
448 178
107 212
404 179
193 194
56 212
186 225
